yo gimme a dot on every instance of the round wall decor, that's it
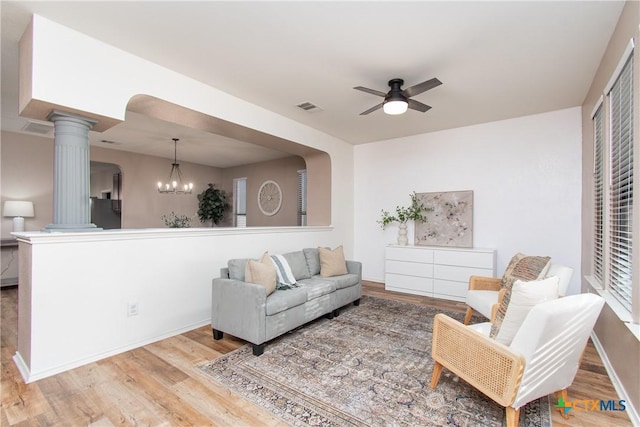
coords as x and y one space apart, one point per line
269 198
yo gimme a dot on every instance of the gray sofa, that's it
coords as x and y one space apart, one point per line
245 311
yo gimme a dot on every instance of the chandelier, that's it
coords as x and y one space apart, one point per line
175 184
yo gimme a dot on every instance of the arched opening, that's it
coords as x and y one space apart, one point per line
282 169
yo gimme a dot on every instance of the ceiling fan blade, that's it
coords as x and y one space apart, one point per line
371 91
419 106
421 87
372 109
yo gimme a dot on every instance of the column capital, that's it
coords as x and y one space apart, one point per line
55 115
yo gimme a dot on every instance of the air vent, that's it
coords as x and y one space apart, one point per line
39 128
309 107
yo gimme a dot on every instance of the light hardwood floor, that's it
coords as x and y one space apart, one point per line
159 384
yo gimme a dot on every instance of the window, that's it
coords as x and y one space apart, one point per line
240 202
302 197
598 196
621 185
613 187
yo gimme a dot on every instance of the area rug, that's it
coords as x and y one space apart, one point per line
370 366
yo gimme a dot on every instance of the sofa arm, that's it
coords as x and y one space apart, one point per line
239 308
355 267
480 283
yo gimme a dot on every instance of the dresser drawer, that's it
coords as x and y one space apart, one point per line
409 268
401 282
409 254
466 259
451 290
459 274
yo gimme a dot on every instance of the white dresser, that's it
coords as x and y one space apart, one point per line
438 272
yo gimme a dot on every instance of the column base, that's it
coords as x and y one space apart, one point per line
70 228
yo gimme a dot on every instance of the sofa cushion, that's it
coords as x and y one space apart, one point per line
282 300
317 287
332 262
298 264
261 273
341 282
236 268
313 260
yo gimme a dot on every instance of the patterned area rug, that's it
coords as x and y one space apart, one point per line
370 366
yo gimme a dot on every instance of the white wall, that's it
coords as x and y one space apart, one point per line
80 286
525 174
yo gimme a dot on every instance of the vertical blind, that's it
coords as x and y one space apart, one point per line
598 196
621 185
302 197
240 202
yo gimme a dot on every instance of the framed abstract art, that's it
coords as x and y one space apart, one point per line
450 221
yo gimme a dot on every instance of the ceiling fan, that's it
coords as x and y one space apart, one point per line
397 100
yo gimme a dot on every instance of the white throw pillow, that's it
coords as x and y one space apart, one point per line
524 295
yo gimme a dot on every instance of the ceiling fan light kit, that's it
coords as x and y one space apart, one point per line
395 107
397 101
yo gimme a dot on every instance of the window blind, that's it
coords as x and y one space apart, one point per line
621 185
240 202
598 196
302 197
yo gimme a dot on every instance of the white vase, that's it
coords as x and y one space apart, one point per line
402 234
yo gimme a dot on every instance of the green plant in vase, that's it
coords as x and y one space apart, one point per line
414 212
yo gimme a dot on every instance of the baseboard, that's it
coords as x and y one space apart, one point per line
632 412
29 376
22 366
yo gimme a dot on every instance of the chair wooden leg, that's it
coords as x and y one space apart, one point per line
512 416
435 377
467 317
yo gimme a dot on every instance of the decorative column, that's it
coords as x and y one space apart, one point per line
71 191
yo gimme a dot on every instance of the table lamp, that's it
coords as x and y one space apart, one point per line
18 210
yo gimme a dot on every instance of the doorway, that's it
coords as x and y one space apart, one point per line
106 195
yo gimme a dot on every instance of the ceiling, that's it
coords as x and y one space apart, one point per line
497 60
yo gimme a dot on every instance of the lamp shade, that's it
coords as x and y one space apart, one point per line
18 208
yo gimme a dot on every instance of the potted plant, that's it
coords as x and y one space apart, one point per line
176 221
212 203
414 212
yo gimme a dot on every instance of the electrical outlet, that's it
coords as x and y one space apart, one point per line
133 309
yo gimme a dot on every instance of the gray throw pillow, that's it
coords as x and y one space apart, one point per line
298 264
313 260
236 268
